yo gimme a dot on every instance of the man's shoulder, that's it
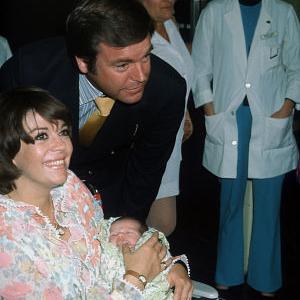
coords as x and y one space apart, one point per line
49 47
165 87
37 57
163 72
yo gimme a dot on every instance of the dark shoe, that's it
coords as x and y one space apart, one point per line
269 296
231 293
252 294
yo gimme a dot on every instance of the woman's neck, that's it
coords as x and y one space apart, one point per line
161 30
39 198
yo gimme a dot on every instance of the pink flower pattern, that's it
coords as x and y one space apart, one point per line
52 294
5 260
36 264
15 291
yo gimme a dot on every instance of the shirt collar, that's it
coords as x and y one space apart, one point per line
87 92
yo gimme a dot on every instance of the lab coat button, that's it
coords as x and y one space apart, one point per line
234 143
232 112
248 85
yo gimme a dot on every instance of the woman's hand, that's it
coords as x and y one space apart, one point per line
285 111
146 260
179 279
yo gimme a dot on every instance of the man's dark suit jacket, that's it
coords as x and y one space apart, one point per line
127 159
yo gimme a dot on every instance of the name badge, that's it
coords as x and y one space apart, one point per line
268 35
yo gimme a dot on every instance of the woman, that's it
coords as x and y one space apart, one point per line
48 223
169 46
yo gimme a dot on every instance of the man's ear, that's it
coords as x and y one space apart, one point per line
82 64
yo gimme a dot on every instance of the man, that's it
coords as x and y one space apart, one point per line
247 61
108 41
110 44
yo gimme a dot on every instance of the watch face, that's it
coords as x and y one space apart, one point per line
142 279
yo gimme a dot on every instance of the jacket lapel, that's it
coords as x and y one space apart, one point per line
263 27
234 22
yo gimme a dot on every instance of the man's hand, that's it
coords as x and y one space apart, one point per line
285 110
179 279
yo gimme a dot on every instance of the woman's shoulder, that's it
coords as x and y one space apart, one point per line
76 196
17 220
75 190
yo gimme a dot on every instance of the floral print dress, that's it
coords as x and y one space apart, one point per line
35 263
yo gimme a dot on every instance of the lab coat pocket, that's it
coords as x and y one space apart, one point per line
278 133
215 128
271 56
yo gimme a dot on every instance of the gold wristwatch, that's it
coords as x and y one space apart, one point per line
140 277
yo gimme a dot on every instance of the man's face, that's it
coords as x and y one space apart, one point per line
121 72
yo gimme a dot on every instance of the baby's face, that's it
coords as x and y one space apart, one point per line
124 232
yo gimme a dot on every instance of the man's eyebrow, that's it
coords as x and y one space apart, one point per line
122 60
127 60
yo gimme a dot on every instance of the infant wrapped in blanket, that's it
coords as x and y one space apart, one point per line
118 231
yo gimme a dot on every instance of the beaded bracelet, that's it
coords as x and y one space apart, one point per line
183 260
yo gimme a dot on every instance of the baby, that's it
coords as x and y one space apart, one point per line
116 232
126 230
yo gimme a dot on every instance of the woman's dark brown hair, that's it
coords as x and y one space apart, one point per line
14 105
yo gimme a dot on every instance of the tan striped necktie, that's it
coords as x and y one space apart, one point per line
94 123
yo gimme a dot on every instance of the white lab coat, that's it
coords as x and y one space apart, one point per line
267 76
5 52
176 54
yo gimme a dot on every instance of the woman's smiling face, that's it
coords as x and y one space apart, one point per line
44 163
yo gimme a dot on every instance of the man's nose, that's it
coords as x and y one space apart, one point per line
139 72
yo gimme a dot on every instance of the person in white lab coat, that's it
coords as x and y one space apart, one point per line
5 52
247 78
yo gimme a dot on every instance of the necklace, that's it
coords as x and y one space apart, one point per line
59 229
51 221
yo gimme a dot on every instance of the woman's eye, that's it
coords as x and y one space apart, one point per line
65 132
41 136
